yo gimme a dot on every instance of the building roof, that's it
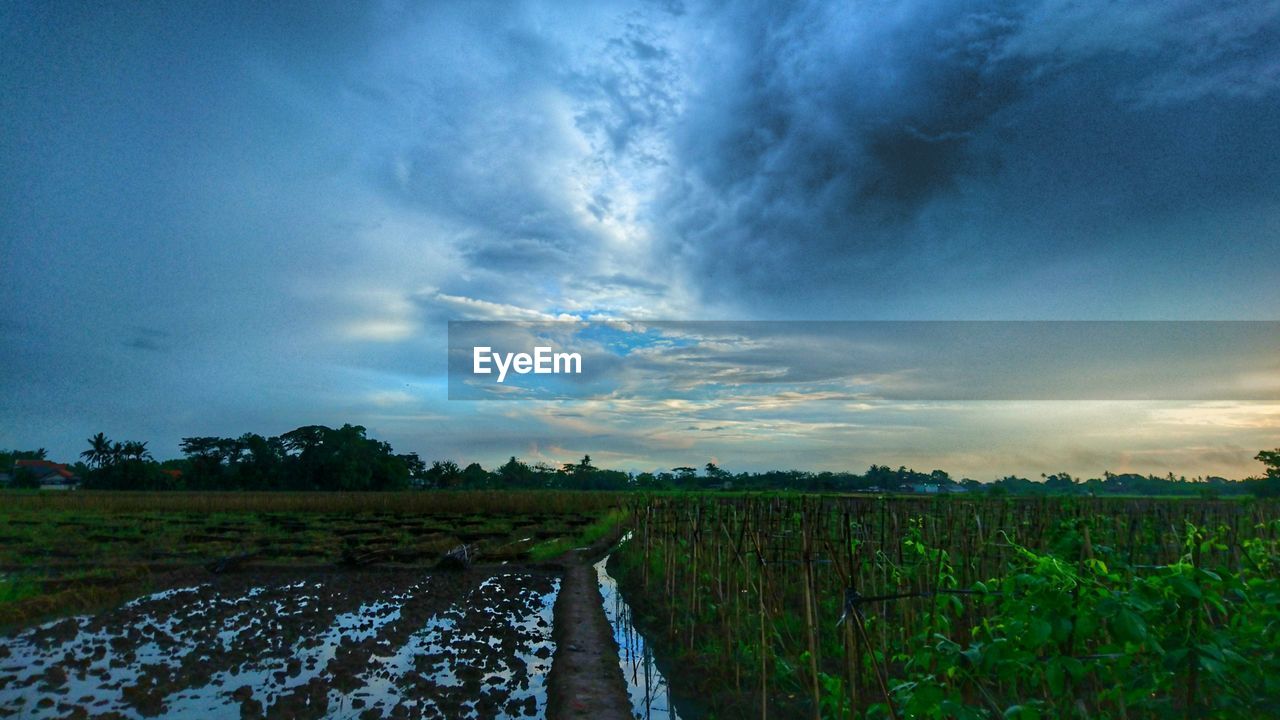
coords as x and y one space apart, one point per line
45 468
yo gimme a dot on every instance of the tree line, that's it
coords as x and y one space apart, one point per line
316 457
312 457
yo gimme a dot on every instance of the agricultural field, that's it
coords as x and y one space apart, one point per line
275 605
955 608
359 644
74 551
703 606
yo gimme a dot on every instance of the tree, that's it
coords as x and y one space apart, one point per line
580 469
1059 483
134 450
474 476
647 481
686 477
443 474
9 458
1269 485
124 465
1271 460
99 452
416 468
204 462
515 474
580 476
305 438
24 479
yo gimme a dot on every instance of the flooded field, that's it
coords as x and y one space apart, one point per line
402 644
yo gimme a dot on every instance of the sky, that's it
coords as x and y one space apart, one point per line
218 218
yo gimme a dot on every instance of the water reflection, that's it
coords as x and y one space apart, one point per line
647 688
341 648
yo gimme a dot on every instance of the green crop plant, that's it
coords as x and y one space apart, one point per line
807 606
585 537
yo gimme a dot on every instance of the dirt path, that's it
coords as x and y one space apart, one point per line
585 681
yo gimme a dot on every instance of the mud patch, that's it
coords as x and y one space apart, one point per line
303 645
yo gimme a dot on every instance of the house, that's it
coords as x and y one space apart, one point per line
928 488
50 475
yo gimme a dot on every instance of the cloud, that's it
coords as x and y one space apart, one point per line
1174 52
1252 416
849 161
276 229
465 308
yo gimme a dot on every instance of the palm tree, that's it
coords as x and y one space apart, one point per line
99 452
134 450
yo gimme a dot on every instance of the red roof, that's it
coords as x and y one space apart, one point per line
59 468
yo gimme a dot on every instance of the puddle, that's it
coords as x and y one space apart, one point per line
447 654
433 646
647 688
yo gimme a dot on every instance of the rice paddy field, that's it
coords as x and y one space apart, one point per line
124 605
74 550
214 605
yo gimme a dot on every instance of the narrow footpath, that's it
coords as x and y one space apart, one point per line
585 681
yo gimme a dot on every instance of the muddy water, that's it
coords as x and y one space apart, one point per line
647 688
342 646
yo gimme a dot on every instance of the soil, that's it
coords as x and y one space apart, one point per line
266 641
586 681
351 644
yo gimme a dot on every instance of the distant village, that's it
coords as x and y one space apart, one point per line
42 474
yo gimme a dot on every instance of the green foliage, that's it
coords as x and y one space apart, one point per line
15 589
21 478
24 479
596 530
9 457
314 457
969 608
1269 485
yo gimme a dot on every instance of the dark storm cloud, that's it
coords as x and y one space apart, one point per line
632 87
302 194
834 152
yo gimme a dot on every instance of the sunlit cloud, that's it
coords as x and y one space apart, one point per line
1252 416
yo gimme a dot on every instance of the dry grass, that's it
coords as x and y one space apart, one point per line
482 502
